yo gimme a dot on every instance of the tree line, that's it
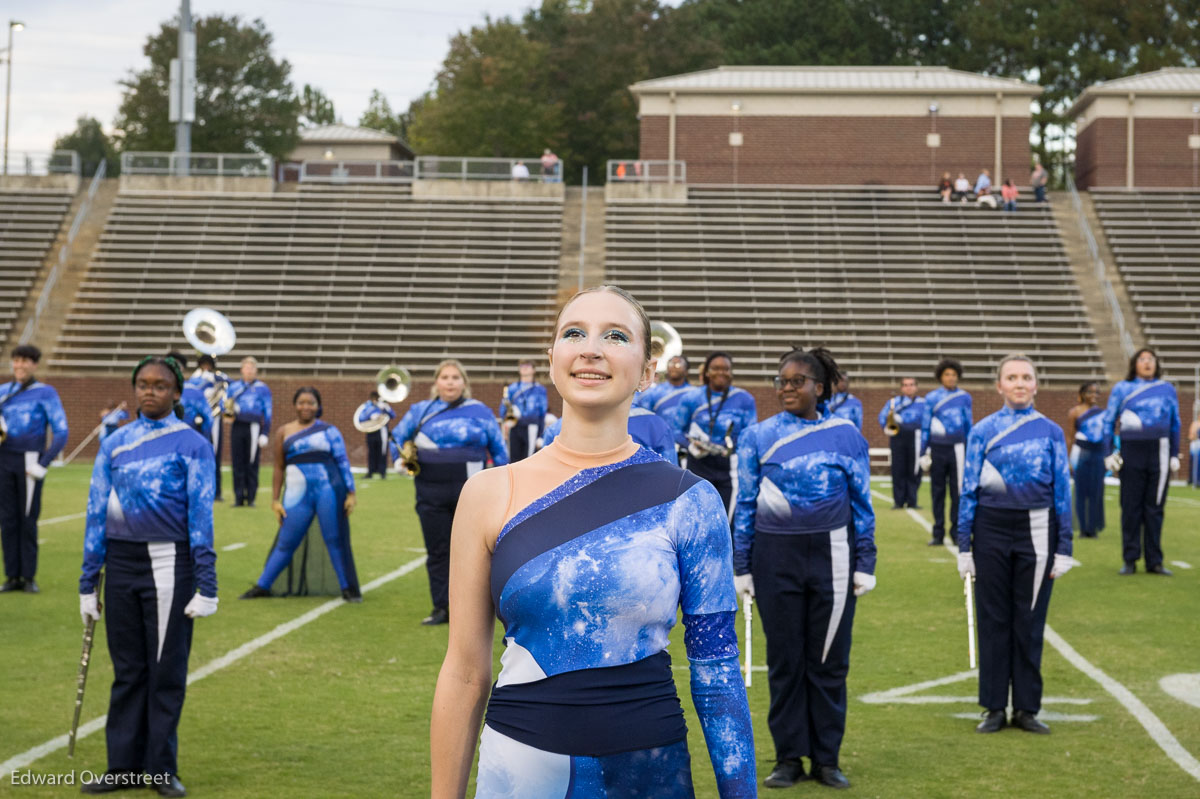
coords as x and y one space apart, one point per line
558 76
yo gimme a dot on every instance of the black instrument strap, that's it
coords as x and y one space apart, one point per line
712 417
449 407
13 394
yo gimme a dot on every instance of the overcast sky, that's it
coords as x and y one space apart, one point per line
71 53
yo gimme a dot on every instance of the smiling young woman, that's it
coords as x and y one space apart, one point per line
591 529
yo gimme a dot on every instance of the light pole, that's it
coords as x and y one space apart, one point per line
13 25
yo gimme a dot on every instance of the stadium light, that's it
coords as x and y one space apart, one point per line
13 25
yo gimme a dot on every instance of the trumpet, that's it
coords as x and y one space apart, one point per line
408 458
892 427
708 447
3 430
512 414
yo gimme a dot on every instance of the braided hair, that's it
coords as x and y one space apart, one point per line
172 365
824 368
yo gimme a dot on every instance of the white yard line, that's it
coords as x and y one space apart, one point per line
232 547
68 518
229 658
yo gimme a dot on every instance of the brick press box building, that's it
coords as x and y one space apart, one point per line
1142 131
837 125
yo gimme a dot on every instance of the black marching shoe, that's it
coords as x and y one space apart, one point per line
255 592
436 616
169 785
352 594
787 773
1157 568
31 586
934 542
1129 568
993 721
11 584
830 777
1024 720
111 781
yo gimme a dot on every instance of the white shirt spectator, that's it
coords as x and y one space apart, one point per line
520 171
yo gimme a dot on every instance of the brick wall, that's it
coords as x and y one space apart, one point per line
837 150
1161 156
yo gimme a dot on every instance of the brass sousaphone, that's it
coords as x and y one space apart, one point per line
393 386
665 343
211 333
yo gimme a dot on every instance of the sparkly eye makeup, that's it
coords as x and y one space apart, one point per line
618 336
573 332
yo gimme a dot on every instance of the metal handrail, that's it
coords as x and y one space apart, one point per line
352 170
1106 287
640 170
434 167
252 164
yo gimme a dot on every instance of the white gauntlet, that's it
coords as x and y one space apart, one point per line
200 605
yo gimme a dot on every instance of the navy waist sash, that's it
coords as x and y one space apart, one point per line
593 712
1089 446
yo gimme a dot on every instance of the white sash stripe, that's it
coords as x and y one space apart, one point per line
960 455
1039 531
917 451
1164 467
254 428
31 484
162 563
839 556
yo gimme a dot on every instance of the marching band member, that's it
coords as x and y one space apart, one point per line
196 410
712 416
312 457
586 552
845 405
27 409
645 427
905 412
804 547
149 524
250 398
945 423
523 412
377 441
211 381
1144 410
1014 535
1087 459
663 398
453 436
111 417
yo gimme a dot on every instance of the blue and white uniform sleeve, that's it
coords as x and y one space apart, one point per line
268 403
926 424
200 493
708 602
402 432
95 536
746 507
883 413
495 442
683 411
858 483
1175 423
746 417
1062 491
856 416
1112 411
541 405
551 433
968 416
970 490
664 443
337 446
57 419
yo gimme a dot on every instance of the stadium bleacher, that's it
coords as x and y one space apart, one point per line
1154 237
887 278
331 280
30 220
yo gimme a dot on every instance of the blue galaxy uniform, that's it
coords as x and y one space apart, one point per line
211 382
27 414
906 447
1015 514
587 581
803 525
945 423
663 398
706 415
149 525
377 442
253 403
646 428
532 404
1146 414
316 482
1087 460
196 410
111 421
847 406
453 442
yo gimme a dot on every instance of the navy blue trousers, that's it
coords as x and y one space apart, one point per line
243 442
1143 495
437 500
906 477
1014 550
944 471
20 506
377 453
218 451
803 588
1089 488
520 439
149 639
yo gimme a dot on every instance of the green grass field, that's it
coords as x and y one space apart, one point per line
340 706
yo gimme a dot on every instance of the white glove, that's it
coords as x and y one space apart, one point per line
863 583
1175 463
1113 463
926 462
966 565
200 605
36 470
89 607
743 584
1062 565
262 440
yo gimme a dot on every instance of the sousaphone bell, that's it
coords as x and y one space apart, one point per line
394 383
665 343
211 333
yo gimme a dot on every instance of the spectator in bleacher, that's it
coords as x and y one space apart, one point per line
900 418
111 417
1008 193
663 397
377 441
522 412
945 423
945 187
1087 459
962 187
550 167
520 171
450 436
1038 179
213 382
249 399
711 417
983 190
27 409
1144 410
844 404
